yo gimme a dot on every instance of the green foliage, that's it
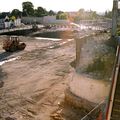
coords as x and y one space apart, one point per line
16 13
108 14
4 14
13 18
76 18
102 65
81 11
51 12
60 12
85 15
28 8
40 12
112 43
94 15
61 15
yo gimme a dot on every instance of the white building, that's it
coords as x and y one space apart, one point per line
10 24
17 22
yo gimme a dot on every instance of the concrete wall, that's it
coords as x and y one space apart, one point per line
30 20
17 22
92 90
43 20
53 20
49 19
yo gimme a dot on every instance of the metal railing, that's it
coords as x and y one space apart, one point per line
105 107
114 83
94 113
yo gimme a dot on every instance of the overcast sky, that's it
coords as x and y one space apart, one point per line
56 5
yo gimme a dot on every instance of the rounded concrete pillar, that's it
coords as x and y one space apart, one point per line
92 90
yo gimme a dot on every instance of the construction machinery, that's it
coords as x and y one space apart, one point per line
12 44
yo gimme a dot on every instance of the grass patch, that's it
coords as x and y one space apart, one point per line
112 43
102 65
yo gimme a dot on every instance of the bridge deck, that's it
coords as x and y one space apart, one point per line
15 29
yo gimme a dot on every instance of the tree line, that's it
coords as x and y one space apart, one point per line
28 10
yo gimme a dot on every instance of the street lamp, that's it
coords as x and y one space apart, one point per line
114 17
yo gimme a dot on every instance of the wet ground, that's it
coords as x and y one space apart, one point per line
32 86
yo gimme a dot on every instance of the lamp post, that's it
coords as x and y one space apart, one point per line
114 17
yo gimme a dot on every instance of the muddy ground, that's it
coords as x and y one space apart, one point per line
33 85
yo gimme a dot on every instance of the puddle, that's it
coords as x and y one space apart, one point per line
60 44
9 60
52 39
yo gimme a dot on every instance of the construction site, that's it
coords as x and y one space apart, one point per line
61 71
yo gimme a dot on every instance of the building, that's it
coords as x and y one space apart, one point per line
6 23
2 26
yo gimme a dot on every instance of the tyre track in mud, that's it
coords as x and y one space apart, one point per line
35 85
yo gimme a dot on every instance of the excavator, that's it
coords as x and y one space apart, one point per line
12 44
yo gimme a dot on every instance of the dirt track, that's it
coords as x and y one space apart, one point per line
34 84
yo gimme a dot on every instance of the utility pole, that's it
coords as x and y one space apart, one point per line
114 17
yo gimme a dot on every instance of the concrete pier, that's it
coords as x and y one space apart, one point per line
84 91
91 91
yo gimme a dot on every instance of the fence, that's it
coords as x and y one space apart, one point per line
96 112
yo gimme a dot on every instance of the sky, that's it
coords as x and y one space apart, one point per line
56 5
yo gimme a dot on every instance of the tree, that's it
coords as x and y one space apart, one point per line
76 18
60 12
85 15
94 14
81 11
28 8
12 18
51 12
40 12
16 13
108 14
4 14
81 14
61 15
